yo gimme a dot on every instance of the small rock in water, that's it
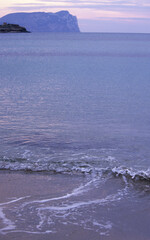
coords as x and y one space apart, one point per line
13 28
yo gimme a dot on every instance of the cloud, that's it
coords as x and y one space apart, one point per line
117 5
88 9
115 25
78 4
99 14
121 3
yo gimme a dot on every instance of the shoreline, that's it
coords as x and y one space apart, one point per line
20 185
29 201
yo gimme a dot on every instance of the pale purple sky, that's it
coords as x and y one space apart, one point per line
93 15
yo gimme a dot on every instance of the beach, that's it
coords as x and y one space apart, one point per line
23 194
15 186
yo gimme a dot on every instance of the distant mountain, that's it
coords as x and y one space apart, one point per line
61 21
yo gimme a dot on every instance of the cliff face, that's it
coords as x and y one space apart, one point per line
6 28
61 21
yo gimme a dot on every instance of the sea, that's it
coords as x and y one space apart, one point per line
77 105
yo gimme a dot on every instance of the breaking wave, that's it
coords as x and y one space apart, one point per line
131 173
76 164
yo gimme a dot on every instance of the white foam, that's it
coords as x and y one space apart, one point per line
103 201
9 224
123 171
77 191
26 154
13 201
107 225
31 232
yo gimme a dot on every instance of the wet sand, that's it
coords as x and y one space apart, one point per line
130 223
19 184
16 185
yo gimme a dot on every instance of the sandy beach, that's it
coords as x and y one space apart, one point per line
14 186
23 194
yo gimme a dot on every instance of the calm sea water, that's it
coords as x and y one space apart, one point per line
76 104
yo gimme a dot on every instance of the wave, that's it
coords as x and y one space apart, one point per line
131 173
71 163
74 53
89 167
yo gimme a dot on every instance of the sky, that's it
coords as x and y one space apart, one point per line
93 15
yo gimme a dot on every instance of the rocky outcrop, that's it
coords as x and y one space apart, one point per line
61 21
13 28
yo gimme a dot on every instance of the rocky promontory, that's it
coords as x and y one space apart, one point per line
61 21
12 28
